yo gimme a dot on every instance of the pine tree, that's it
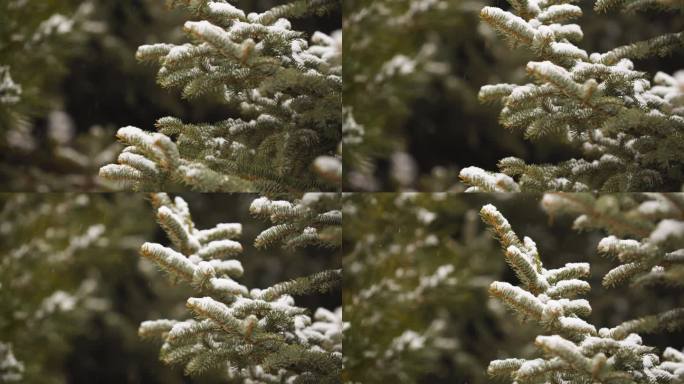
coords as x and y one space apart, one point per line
396 244
286 88
256 335
573 349
626 125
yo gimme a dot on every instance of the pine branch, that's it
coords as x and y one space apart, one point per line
287 88
320 282
670 321
574 351
652 224
608 110
312 220
259 332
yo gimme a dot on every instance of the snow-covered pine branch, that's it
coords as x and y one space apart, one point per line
645 233
626 122
574 350
257 335
315 219
286 85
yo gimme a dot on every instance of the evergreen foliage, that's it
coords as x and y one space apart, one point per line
627 125
398 54
54 249
573 349
417 268
73 289
40 147
36 35
256 335
286 88
414 266
646 233
315 219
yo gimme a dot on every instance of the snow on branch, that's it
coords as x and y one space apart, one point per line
258 334
611 112
573 349
287 133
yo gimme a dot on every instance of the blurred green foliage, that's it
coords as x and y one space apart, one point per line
74 62
393 244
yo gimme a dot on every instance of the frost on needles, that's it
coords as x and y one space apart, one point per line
287 88
646 233
256 335
627 125
573 350
314 220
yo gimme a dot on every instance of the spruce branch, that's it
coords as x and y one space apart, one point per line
287 88
319 282
670 321
550 304
614 114
574 351
511 26
258 334
483 181
646 232
315 219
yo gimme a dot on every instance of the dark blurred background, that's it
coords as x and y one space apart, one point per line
73 289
